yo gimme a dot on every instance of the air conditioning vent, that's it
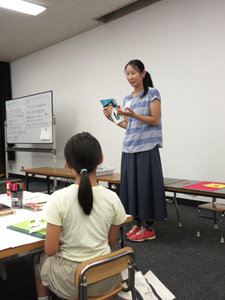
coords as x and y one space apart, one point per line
125 10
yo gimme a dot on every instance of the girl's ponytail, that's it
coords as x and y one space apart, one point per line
85 195
83 153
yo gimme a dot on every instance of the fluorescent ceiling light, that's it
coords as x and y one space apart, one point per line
22 6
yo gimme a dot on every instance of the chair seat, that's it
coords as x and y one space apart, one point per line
213 207
107 296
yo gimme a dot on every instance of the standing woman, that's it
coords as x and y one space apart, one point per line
142 188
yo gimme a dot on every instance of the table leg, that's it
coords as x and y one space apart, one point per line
3 271
121 226
27 182
214 214
198 223
178 216
215 221
177 210
222 236
122 236
48 183
114 187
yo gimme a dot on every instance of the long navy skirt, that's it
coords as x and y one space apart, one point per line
142 189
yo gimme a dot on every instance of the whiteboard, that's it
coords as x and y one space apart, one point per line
29 119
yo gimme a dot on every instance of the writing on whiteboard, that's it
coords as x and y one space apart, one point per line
37 114
26 117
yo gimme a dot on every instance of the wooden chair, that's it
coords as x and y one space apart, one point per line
99 268
216 208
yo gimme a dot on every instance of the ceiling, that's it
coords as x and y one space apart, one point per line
23 34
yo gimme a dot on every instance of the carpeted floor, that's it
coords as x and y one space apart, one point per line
191 267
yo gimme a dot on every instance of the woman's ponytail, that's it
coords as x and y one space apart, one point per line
147 82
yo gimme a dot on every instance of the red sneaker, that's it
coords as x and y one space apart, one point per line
133 230
142 235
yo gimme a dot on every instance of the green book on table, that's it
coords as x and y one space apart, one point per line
23 227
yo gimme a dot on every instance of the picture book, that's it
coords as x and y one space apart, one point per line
4 207
114 116
34 201
6 210
33 205
28 228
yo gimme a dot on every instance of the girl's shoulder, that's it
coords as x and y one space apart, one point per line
105 193
65 192
103 190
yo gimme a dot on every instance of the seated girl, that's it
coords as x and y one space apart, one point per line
82 223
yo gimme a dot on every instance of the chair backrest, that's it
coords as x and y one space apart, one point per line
104 266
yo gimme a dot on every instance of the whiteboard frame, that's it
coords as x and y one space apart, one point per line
36 134
51 150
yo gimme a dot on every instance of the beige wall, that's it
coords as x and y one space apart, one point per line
182 44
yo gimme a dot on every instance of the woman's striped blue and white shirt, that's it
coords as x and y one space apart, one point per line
140 136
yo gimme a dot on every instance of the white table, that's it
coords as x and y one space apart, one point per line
12 243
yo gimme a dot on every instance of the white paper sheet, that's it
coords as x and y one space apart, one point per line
10 238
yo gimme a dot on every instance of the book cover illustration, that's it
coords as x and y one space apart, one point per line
114 116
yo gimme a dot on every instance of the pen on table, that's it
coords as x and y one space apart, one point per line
186 182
